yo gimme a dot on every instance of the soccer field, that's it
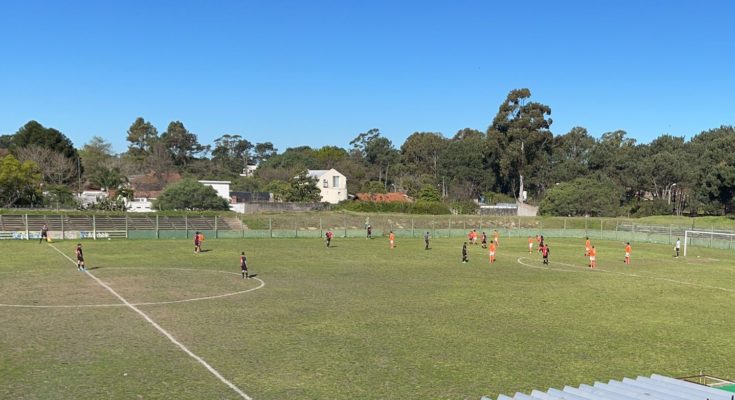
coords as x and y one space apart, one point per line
152 320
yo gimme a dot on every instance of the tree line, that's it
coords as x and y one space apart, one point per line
570 174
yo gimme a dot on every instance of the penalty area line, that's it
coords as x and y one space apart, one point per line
163 331
581 269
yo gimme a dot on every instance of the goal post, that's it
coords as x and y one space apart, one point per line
710 239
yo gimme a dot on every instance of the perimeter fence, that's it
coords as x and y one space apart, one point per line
315 225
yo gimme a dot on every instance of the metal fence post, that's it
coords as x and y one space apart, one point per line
186 225
520 229
450 226
344 218
295 228
94 227
28 236
616 230
270 226
158 232
412 227
126 226
321 229
632 232
63 235
215 227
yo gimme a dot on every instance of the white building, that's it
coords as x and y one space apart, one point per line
332 184
249 170
89 197
221 187
139 204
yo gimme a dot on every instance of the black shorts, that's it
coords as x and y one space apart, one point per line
44 234
80 259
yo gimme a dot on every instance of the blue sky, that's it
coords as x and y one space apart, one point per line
320 72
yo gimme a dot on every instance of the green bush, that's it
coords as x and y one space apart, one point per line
420 207
582 196
494 198
429 207
464 207
189 194
647 208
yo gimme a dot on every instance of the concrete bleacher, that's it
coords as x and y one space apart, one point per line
657 387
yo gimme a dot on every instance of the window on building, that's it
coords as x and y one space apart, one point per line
335 181
325 183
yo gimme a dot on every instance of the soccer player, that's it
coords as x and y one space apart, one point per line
392 239
44 233
329 235
80 258
484 240
465 254
677 246
496 237
244 266
627 253
545 253
541 243
492 251
369 231
593 257
197 243
426 241
587 245
530 244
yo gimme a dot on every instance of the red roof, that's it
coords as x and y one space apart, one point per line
384 197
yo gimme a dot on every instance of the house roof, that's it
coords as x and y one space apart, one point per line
317 173
384 197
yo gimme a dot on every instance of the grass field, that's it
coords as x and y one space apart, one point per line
357 321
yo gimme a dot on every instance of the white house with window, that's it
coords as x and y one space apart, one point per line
332 184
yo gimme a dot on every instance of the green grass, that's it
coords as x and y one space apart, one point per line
357 320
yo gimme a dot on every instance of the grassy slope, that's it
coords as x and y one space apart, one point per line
358 320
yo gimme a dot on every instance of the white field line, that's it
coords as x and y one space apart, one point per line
624 274
148 303
163 331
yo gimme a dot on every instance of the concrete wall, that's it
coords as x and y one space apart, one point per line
253 208
527 210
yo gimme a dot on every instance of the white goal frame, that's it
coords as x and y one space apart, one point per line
711 233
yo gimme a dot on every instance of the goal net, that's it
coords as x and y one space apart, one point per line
711 239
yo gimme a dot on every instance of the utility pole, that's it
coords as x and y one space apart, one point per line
79 173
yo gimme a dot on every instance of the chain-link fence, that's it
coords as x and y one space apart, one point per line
315 225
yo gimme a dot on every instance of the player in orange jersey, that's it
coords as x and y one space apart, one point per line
587 245
392 239
593 257
530 245
627 253
492 251
496 237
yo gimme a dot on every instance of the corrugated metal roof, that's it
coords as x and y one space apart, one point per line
657 387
